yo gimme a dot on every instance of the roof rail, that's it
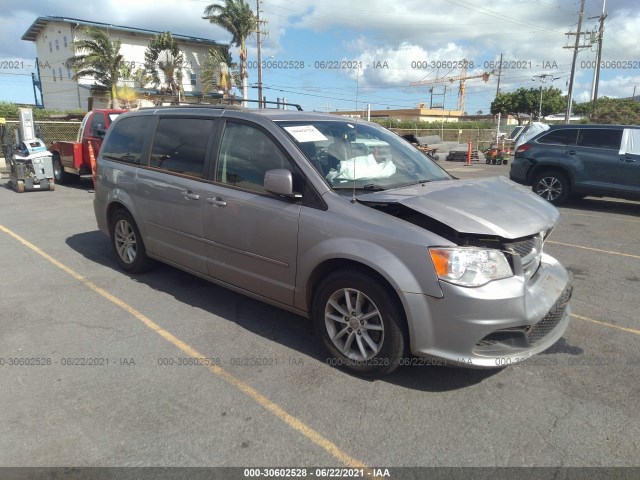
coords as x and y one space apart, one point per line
264 102
236 105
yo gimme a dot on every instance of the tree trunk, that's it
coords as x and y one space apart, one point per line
243 71
114 95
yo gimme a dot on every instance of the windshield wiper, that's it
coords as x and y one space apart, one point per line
421 182
368 186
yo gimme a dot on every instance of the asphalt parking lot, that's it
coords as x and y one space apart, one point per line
103 383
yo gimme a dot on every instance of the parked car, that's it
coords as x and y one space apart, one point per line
579 161
341 221
72 159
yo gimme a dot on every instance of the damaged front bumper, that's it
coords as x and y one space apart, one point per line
501 323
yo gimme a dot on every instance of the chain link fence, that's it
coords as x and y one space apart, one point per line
480 138
53 131
47 131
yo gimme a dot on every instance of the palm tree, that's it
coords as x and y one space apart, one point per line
163 55
100 58
219 72
236 17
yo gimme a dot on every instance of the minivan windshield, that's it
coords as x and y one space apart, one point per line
363 156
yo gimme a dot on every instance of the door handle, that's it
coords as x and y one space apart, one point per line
189 195
571 152
628 159
217 201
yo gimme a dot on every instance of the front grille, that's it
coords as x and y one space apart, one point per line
551 319
515 339
526 247
530 251
545 326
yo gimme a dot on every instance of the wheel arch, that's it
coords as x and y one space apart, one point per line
113 208
330 266
549 167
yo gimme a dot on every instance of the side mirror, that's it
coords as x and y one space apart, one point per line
280 182
101 132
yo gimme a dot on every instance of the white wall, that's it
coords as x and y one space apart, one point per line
59 88
54 47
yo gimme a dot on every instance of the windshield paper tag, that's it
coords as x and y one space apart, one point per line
306 133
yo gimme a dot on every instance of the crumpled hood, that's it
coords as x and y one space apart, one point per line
484 206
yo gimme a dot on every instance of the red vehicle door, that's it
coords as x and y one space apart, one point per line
94 133
95 130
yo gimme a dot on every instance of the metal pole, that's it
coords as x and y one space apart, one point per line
596 75
499 75
543 79
33 81
567 115
540 107
259 39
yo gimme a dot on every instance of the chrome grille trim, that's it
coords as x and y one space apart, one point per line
530 252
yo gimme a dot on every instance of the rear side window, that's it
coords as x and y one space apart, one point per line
126 140
180 145
97 124
600 138
245 155
565 136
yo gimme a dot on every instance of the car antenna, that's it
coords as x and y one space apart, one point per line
353 196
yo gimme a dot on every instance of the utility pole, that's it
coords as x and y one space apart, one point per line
499 75
575 48
543 79
259 33
596 71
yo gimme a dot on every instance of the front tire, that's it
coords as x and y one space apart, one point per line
552 185
359 323
127 243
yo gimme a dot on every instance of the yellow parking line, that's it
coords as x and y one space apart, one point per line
594 249
601 217
263 401
610 325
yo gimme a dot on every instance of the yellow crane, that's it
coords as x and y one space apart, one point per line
462 78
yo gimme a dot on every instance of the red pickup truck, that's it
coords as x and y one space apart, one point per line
72 158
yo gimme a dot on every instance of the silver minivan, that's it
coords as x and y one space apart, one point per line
341 221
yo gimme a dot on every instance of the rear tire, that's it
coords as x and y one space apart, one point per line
127 243
59 175
368 338
552 185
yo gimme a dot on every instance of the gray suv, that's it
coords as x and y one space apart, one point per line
580 160
341 221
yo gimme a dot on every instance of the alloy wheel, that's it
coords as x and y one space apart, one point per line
354 324
125 241
549 188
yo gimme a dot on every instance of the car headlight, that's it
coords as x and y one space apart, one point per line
470 266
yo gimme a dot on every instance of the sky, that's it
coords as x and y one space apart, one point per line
376 48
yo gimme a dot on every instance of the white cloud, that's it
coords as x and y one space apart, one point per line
397 32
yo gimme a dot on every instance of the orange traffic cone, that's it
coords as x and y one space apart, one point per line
92 159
